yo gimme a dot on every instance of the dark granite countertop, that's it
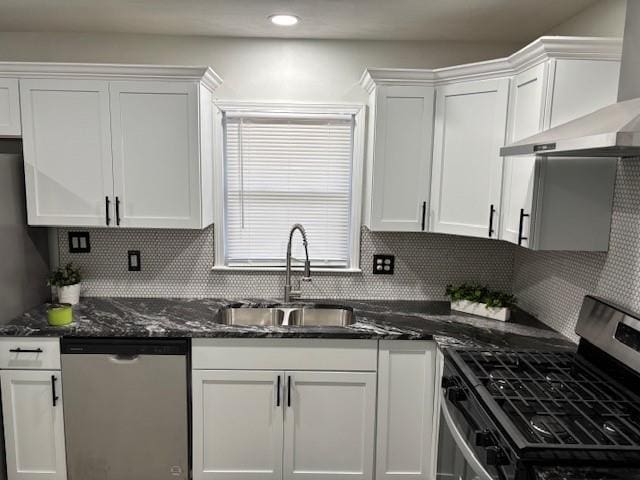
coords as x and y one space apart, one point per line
196 318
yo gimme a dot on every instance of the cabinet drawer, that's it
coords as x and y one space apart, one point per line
284 354
30 353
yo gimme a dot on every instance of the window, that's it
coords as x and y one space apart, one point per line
285 166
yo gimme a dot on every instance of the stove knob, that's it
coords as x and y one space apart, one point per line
484 438
448 382
456 394
496 456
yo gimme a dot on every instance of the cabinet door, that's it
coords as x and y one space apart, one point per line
579 87
156 153
9 108
237 425
406 437
526 117
470 127
402 158
67 151
329 425
33 425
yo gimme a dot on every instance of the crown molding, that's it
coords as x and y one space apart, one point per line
206 75
540 50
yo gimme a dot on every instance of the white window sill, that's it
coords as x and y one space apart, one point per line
336 271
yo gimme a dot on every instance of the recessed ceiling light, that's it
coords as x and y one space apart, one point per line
283 20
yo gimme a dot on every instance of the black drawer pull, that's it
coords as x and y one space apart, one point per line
26 350
424 214
54 396
492 210
107 217
118 211
521 226
289 392
278 391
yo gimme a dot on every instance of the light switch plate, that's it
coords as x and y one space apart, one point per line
79 242
383 264
134 260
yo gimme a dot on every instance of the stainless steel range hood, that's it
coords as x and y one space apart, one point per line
613 131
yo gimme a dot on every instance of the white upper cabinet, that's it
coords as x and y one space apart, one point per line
113 152
67 151
399 160
9 108
156 157
526 117
470 127
558 204
578 87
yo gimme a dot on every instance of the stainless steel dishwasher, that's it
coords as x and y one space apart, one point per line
126 408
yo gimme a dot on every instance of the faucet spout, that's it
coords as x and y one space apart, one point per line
289 292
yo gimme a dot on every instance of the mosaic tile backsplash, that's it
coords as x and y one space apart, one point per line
178 263
551 285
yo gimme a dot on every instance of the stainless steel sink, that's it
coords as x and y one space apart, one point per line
287 315
263 316
326 316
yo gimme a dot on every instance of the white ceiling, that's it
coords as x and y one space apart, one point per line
470 20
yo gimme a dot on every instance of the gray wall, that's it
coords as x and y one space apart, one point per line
254 69
604 18
24 250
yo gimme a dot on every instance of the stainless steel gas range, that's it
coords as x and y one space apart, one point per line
547 415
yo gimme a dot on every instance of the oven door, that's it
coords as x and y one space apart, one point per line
468 441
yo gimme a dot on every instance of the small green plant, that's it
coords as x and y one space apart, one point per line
65 276
481 294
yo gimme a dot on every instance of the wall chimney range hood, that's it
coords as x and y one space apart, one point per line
612 131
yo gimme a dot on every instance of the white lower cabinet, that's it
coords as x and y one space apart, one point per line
407 411
33 424
283 424
237 425
329 425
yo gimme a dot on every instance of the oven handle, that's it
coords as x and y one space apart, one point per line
467 451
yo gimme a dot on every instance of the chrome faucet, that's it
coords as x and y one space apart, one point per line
289 292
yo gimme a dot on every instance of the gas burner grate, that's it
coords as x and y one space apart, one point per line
555 400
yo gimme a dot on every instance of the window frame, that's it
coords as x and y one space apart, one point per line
358 112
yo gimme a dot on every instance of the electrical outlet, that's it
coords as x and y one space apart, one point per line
134 260
79 242
383 264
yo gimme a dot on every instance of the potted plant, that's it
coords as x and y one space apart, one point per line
67 281
480 300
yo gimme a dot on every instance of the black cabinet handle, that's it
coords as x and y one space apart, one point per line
25 350
278 391
289 391
108 219
424 214
521 226
54 396
118 211
492 210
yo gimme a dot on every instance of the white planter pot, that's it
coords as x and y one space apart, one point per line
69 294
480 309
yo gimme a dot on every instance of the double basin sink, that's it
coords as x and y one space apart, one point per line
287 315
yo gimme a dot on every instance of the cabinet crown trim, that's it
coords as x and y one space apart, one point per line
544 48
203 74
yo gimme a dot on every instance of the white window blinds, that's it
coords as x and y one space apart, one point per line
282 170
